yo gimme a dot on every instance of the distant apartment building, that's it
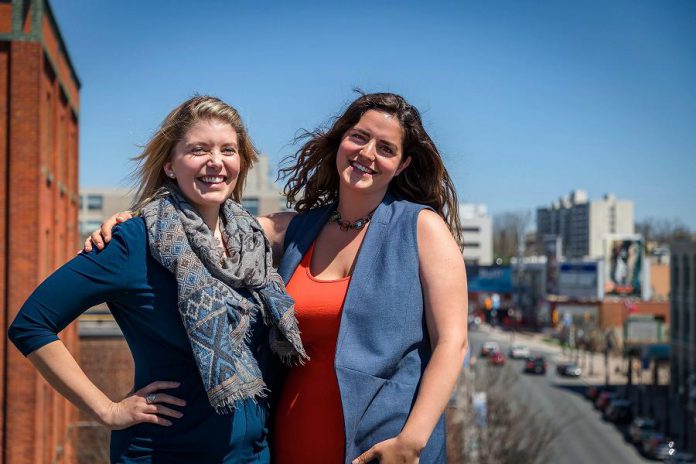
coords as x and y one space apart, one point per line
582 224
477 232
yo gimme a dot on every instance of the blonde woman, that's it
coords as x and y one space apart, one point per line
192 287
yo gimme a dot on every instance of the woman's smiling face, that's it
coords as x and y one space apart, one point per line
370 154
205 163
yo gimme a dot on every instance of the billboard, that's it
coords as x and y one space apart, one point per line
623 265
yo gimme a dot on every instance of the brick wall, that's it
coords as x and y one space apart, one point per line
38 225
612 313
107 361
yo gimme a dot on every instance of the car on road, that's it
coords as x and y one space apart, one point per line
604 398
568 369
619 411
656 446
593 391
535 365
519 351
640 427
488 348
497 359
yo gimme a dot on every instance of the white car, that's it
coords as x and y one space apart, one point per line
519 351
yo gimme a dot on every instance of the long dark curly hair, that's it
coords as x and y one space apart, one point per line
311 178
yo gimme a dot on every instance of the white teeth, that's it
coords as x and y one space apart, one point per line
213 179
362 168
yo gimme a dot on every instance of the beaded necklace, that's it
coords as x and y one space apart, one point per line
346 225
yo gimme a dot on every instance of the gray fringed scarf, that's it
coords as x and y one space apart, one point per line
216 317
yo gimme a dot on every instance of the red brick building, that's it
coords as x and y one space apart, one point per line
39 101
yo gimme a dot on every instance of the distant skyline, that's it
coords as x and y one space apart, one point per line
526 100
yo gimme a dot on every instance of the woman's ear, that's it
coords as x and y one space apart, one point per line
404 165
168 170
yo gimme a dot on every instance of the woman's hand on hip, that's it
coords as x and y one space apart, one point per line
397 450
145 405
100 237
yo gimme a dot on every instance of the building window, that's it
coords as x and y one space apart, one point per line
86 227
687 275
251 205
471 244
471 229
95 202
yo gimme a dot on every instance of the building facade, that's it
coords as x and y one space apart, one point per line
683 331
39 114
97 204
477 232
582 224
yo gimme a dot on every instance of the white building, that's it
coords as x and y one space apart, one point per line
98 203
261 196
477 232
583 224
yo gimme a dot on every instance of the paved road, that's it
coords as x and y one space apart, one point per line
583 437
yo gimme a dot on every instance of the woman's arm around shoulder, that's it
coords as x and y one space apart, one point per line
274 226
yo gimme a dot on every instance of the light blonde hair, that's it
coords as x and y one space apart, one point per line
149 172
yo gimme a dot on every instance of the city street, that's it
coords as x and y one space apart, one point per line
582 436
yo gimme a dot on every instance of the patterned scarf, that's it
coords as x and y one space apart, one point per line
217 318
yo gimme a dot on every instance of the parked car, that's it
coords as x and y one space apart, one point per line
604 398
619 411
568 369
497 358
656 445
593 392
488 348
519 351
639 427
535 365
680 457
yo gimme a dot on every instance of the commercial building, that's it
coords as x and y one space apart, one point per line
477 232
39 123
582 224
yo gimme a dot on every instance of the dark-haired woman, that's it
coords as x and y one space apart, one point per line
372 261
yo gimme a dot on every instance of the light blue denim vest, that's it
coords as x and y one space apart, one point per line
383 345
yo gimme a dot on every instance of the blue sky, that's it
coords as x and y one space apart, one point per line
525 99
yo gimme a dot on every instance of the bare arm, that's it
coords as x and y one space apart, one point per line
274 226
443 279
59 368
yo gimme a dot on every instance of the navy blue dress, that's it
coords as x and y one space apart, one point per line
142 296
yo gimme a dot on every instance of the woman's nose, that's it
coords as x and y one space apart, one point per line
215 158
368 150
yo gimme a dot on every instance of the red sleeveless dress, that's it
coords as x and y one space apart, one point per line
308 424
